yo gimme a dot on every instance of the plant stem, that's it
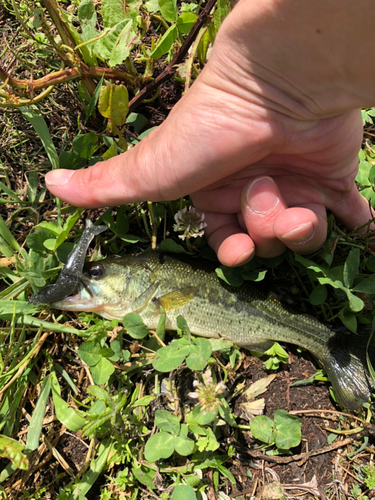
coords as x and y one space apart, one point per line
177 58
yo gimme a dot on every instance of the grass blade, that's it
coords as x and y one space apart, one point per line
96 467
10 193
36 422
32 114
8 236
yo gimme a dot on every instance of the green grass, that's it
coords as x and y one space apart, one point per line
114 393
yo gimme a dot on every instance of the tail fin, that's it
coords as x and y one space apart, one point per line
95 230
346 367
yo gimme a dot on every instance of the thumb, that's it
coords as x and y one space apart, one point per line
195 147
130 177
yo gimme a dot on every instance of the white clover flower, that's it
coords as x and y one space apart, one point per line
207 392
190 222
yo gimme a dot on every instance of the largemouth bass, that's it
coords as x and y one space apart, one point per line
250 316
68 281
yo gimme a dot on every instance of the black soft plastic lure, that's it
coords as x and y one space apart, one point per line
68 280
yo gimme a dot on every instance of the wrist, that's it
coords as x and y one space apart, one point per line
303 59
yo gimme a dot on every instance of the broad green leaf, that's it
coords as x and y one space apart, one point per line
288 430
87 13
168 9
52 227
169 358
116 45
363 174
146 133
309 264
145 476
50 244
89 352
225 412
257 275
12 450
183 492
36 240
349 319
165 43
204 417
262 428
152 6
171 246
371 175
102 371
183 446
137 121
231 275
145 401
134 326
200 351
182 329
318 295
113 12
159 446
100 393
114 103
370 263
208 442
355 303
222 10
369 194
111 152
277 350
167 422
366 118
71 160
366 286
351 267
116 346
185 22
85 145
226 473
87 18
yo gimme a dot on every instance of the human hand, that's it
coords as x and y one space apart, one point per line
224 142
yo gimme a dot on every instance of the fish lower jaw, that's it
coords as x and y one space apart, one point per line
87 306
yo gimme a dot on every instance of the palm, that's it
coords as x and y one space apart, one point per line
314 170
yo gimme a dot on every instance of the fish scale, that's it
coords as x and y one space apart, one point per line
250 316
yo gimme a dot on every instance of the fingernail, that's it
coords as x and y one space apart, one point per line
300 234
262 195
58 177
244 259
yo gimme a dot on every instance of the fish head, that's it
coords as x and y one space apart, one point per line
109 287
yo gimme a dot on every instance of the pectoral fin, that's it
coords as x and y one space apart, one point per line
176 299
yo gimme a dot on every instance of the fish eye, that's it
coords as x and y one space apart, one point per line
96 272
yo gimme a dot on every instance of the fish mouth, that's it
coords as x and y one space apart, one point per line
83 299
